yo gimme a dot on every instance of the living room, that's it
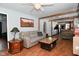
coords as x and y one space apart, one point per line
41 21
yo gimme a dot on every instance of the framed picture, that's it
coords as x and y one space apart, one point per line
24 22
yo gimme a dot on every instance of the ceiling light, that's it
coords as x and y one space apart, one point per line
37 5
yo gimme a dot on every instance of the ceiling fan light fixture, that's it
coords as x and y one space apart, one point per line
37 6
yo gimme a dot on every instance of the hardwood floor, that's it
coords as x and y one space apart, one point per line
63 48
3 44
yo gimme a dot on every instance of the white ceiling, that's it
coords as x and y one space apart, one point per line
27 8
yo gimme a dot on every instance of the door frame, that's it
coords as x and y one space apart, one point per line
6 28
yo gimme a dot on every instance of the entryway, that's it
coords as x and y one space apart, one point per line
3 32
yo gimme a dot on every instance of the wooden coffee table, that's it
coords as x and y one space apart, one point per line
48 44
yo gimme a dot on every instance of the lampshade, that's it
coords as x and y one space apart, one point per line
15 29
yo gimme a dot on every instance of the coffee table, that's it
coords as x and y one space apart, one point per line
48 44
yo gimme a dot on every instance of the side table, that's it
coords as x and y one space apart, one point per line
15 46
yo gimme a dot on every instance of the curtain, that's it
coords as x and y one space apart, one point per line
44 27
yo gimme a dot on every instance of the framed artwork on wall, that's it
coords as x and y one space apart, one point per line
25 22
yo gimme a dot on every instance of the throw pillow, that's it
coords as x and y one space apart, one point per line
39 33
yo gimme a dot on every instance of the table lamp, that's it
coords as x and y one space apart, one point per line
15 30
50 38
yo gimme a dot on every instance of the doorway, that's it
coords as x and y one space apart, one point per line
0 29
3 32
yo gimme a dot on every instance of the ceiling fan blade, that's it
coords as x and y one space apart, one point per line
30 4
48 5
42 9
35 10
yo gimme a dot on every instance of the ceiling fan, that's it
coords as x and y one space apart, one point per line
39 6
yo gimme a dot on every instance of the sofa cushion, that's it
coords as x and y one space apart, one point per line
41 37
23 35
33 33
34 39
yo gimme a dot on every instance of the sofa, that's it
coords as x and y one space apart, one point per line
31 38
66 34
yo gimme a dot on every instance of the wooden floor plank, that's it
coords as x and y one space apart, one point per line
63 48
